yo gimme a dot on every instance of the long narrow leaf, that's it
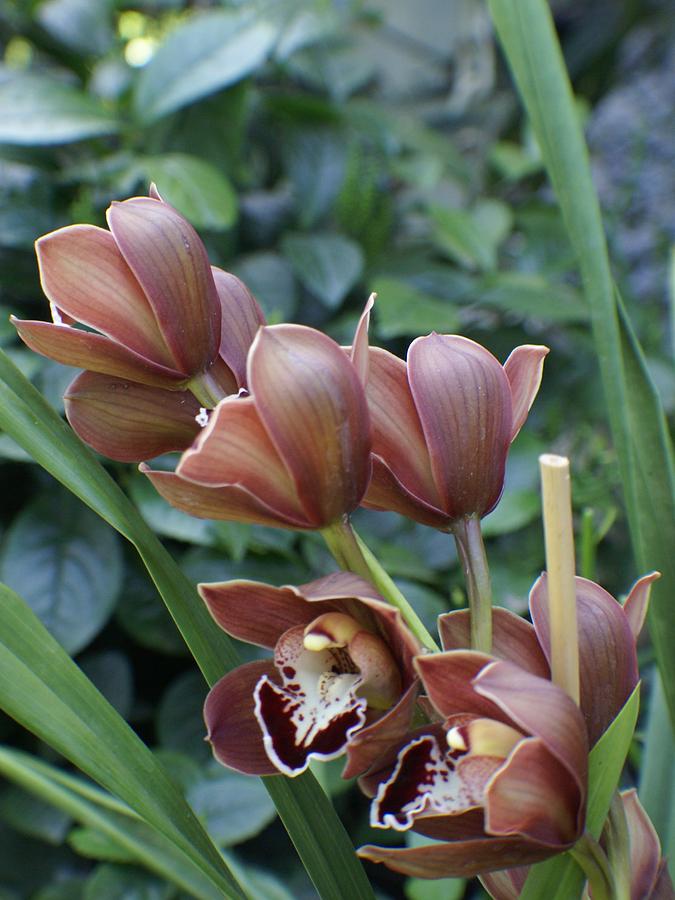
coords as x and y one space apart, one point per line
324 847
527 33
43 689
561 878
133 836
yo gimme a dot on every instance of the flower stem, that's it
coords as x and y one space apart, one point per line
471 551
559 537
352 555
589 856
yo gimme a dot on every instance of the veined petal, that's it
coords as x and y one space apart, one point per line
86 350
514 639
645 848
524 368
463 399
84 274
359 352
608 669
534 795
459 859
234 449
505 885
128 421
386 491
314 409
336 586
232 727
637 602
448 677
540 708
316 710
397 432
232 503
241 317
169 260
259 613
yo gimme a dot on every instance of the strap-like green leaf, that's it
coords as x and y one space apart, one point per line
527 33
129 833
43 689
308 815
561 878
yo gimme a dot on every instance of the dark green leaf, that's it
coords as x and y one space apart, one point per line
402 309
111 882
208 52
328 265
95 844
528 295
180 723
67 564
36 109
196 188
33 816
457 235
657 772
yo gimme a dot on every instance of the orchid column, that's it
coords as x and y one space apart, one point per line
442 427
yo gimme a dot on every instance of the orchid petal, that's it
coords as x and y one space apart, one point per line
316 710
86 350
645 847
127 421
169 260
460 859
398 438
541 708
514 639
336 586
423 781
505 885
259 613
233 729
637 602
448 679
84 274
524 369
386 491
232 503
463 399
241 317
372 741
536 796
234 449
359 352
313 407
608 670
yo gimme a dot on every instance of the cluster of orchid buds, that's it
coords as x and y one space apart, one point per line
478 745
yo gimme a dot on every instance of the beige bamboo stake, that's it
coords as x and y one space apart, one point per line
559 538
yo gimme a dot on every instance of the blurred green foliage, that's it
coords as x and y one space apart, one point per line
323 150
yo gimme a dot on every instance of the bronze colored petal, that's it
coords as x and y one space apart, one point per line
463 399
314 409
505 885
514 639
645 848
534 795
459 859
231 503
385 491
608 669
169 261
524 368
359 352
84 274
230 720
128 421
241 317
234 449
259 613
448 677
537 706
336 586
86 350
398 438
637 602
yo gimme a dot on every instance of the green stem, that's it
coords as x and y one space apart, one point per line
589 856
206 389
352 555
471 551
587 541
